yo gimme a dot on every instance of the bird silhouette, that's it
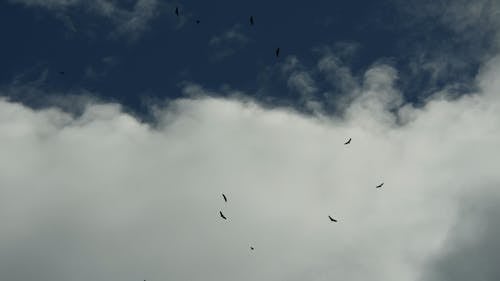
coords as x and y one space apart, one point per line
177 11
251 20
224 196
380 185
277 52
332 219
222 215
251 248
348 142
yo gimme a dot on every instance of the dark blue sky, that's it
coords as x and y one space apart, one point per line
158 59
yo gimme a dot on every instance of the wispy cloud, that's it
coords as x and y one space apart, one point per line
471 29
102 68
233 35
299 80
130 22
227 43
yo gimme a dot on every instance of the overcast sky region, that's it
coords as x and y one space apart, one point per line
121 125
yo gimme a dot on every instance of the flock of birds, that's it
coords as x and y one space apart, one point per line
329 216
177 13
224 217
277 53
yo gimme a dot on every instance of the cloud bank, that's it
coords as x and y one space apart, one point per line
102 196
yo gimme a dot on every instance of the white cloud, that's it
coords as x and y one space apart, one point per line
300 80
102 196
472 247
339 86
337 73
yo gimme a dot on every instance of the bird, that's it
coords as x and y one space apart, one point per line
379 186
197 21
222 215
224 196
251 20
177 11
348 142
251 248
277 52
332 219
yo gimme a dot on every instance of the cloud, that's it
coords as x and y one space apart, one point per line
232 35
337 73
99 195
327 84
101 68
300 81
226 44
471 19
131 22
472 247
89 192
446 41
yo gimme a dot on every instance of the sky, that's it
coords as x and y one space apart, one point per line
121 125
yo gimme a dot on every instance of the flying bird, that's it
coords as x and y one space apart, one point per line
224 196
348 142
251 20
251 248
222 215
380 185
332 219
277 52
177 11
